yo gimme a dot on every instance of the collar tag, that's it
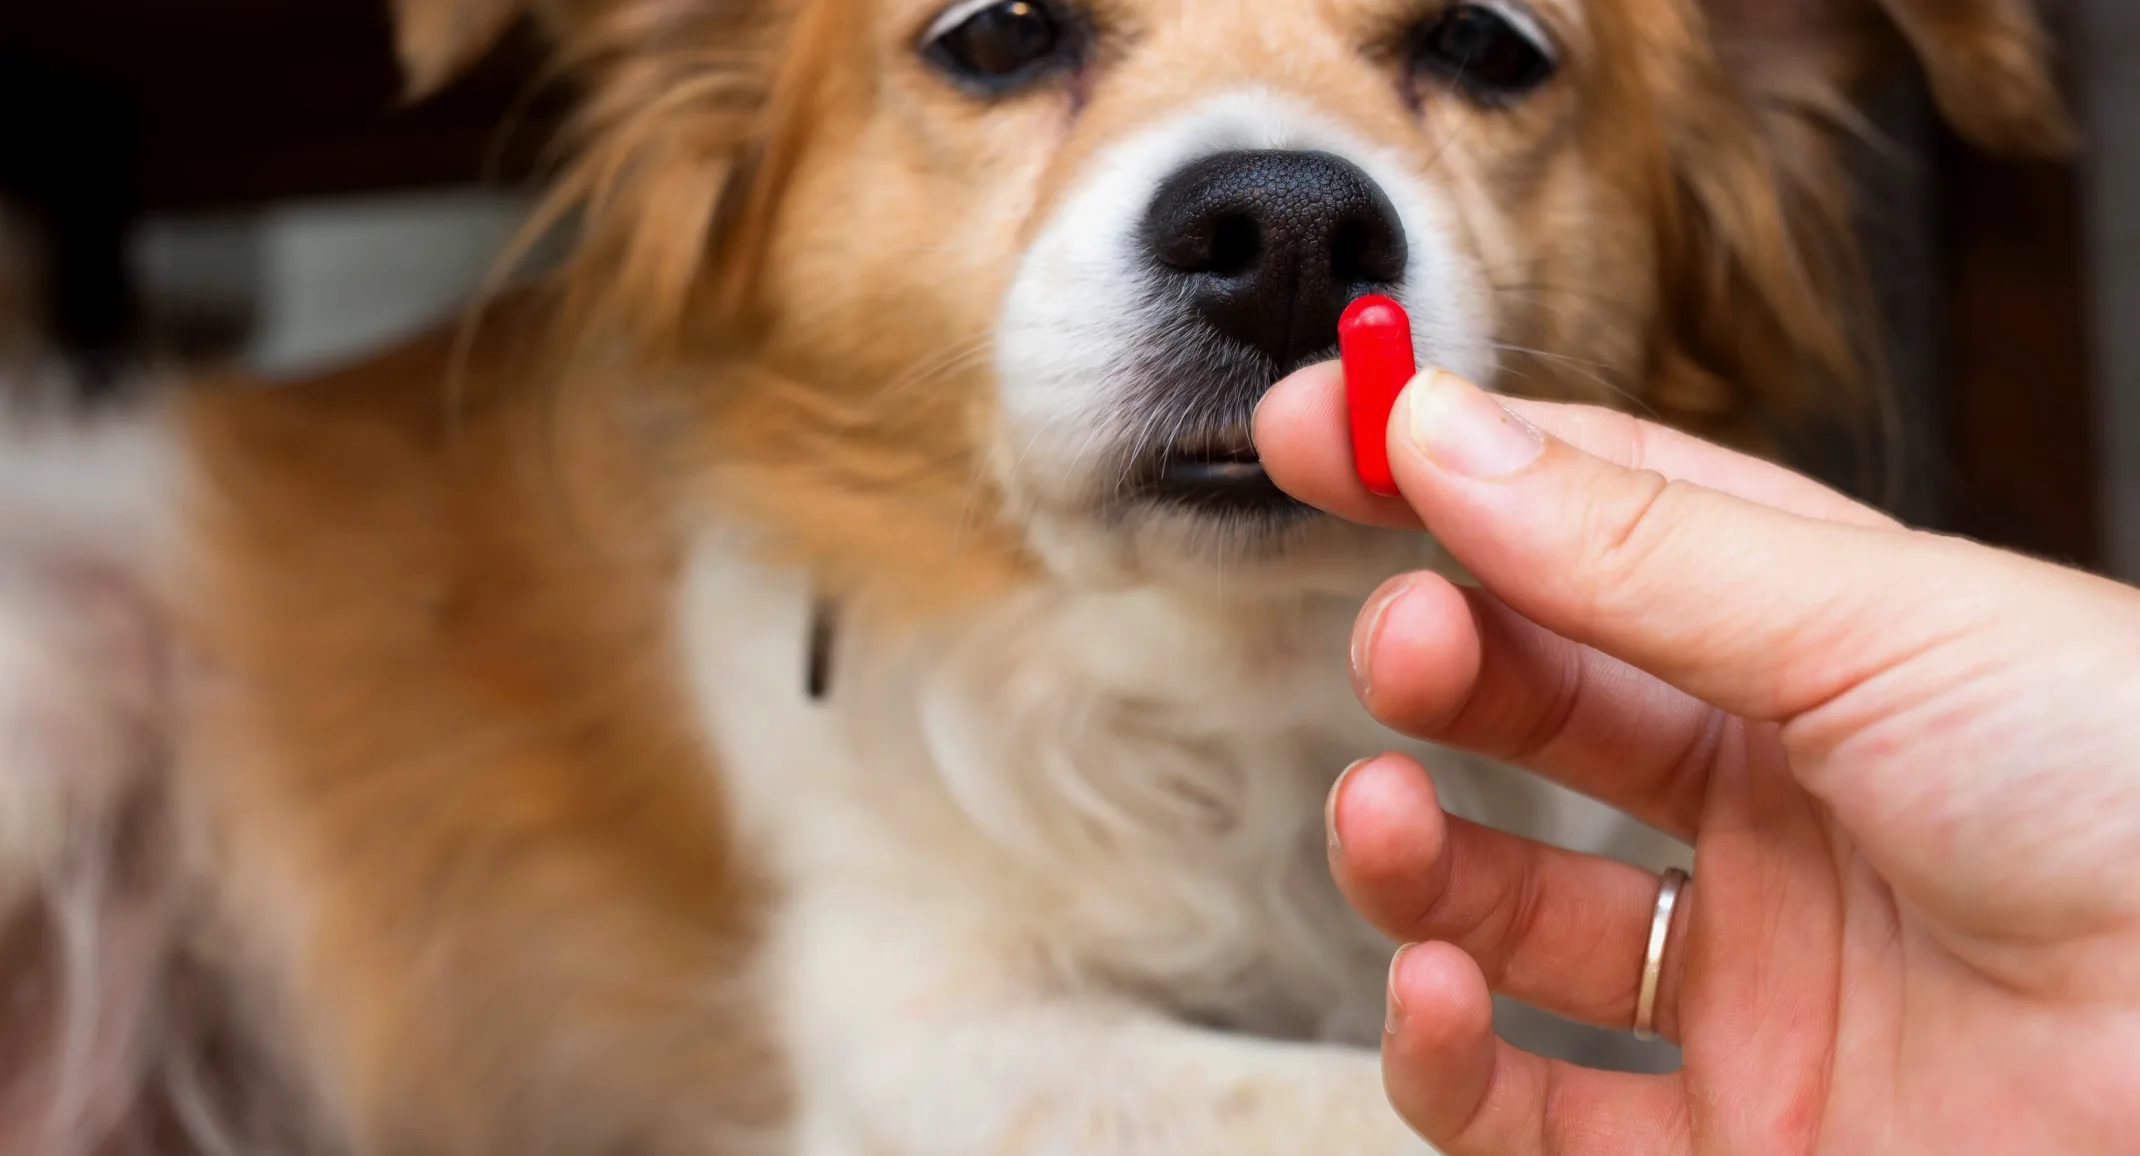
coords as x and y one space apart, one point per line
824 629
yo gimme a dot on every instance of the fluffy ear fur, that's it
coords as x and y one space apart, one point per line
690 117
1989 64
694 118
1766 312
1988 61
438 39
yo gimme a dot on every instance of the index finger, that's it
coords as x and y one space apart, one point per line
1302 437
1762 612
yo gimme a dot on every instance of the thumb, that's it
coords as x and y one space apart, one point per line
1761 612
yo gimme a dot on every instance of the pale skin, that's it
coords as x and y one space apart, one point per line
1909 766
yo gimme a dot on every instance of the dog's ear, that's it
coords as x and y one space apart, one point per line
437 39
1989 65
1988 62
1767 306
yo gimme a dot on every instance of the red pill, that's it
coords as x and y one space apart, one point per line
1375 347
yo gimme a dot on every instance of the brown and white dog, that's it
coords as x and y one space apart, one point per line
423 759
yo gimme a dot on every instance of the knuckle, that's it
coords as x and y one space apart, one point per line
1425 911
1623 531
1525 913
1564 693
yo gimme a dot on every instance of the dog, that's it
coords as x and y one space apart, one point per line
826 674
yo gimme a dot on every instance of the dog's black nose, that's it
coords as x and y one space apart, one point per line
1272 245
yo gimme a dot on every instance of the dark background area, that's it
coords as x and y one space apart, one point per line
114 109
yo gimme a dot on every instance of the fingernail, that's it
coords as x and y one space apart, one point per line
1465 431
1393 1015
1365 630
1330 802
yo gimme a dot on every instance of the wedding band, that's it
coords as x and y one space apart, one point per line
1668 889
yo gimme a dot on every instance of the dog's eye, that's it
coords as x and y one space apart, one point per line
996 44
1492 56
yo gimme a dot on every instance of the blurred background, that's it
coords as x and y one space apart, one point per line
235 182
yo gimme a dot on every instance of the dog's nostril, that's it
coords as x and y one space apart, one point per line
1272 245
1361 254
1236 243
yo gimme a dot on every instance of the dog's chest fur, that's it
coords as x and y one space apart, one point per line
1115 791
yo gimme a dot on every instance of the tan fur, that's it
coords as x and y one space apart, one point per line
1985 64
438 40
467 757
460 815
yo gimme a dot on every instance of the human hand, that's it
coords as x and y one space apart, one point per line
1909 766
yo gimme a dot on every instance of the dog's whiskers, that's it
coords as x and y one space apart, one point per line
1590 370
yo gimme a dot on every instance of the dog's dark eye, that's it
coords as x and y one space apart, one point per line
1490 56
996 44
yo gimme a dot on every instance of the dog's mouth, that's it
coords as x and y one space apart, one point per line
1226 458
1217 472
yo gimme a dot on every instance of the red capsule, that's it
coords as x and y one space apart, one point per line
1375 347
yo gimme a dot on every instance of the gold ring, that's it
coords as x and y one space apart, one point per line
1668 889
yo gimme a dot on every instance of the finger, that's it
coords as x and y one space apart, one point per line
1460 668
1559 930
1467 1091
1303 437
1632 443
1759 611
